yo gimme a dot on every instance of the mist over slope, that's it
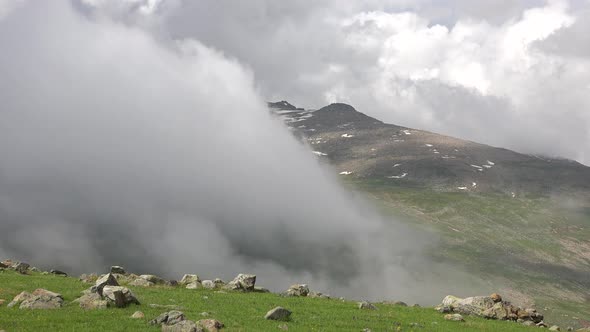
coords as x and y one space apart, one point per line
116 148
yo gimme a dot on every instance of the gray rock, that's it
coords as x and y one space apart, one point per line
243 282
497 311
297 290
43 299
58 272
367 305
153 279
454 317
554 328
20 267
92 301
19 298
209 284
141 282
219 283
278 313
118 269
119 296
168 318
445 309
194 285
475 305
189 278
105 280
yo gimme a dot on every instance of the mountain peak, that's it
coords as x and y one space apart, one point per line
283 105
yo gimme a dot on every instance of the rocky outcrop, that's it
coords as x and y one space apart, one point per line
118 296
104 280
490 307
297 290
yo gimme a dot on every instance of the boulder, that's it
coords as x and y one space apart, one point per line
297 290
152 278
219 283
367 305
278 313
20 267
171 283
444 309
58 272
88 278
141 282
400 303
209 284
554 328
450 301
194 285
138 315
454 317
498 311
183 326
115 269
168 318
189 278
210 325
243 282
42 299
20 298
92 301
119 296
104 280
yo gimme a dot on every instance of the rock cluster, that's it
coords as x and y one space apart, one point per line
106 292
20 267
243 282
490 307
38 299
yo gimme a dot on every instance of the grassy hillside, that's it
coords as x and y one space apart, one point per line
535 248
238 311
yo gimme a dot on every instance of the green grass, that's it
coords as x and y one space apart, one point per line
514 243
238 311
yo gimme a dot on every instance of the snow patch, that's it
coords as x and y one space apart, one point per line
346 135
407 132
428 145
345 173
476 166
398 176
396 165
462 188
491 163
319 153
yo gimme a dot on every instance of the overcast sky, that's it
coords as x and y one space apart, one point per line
514 74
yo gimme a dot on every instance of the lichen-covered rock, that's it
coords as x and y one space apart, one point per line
183 326
153 279
19 298
497 311
20 267
138 315
474 305
194 285
278 313
209 284
141 282
115 269
450 301
496 297
104 280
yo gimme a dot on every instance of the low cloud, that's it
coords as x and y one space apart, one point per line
119 148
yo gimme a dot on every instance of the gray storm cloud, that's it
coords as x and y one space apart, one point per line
117 148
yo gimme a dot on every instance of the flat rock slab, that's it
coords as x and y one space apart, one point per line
278 313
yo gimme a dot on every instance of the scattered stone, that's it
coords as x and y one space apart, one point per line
210 325
194 285
92 301
367 305
541 324
189 278
118 269
243 282
278 313
258 289
153 279
138 315
105 280
42 299
283 327
366 329
209 284
119 296
528 323
454 317
141 282
496 297
183 326
554 328
171 283
219 283
58 272
168 318
297 290
19 298
204 314
20 267
400 303
2 301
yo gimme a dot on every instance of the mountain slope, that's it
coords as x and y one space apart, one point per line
363 147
